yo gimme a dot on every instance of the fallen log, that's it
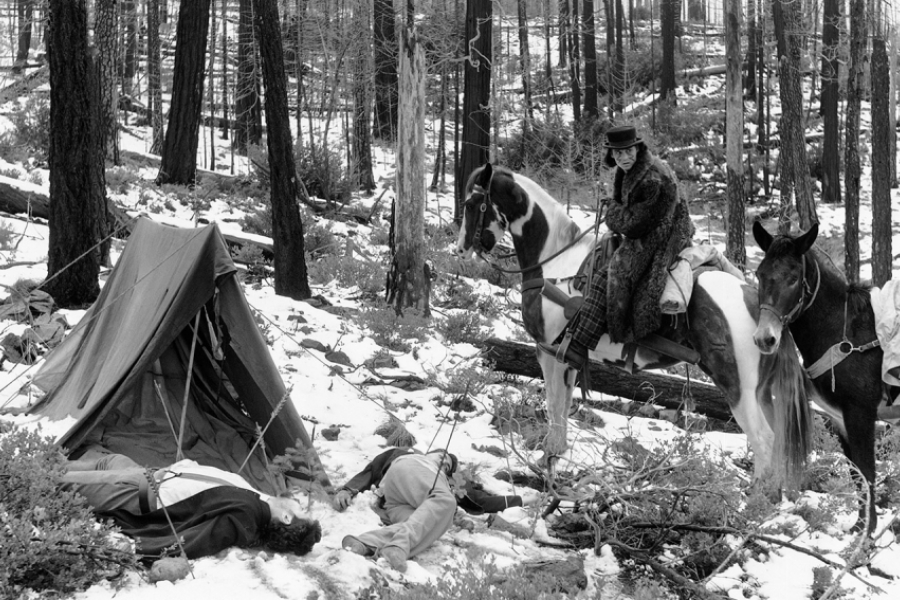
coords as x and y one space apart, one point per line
664 390
23 197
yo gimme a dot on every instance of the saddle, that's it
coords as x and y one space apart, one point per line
599 259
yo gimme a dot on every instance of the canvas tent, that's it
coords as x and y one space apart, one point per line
122 372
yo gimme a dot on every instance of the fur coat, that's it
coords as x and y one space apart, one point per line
655 224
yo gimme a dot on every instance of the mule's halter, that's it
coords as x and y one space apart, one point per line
805 291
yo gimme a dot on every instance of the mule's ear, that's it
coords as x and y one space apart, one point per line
762 237
805 241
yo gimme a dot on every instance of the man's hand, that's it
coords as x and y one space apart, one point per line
342 500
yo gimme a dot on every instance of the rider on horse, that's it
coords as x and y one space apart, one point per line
646 210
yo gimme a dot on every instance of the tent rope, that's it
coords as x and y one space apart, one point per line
179 453
259 437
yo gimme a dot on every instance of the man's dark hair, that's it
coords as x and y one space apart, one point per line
298 537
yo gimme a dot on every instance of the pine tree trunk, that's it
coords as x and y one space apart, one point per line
179 155
589 37
287 228
564 27
752 41
476 92
247 114
78 215
831 159
385 71
575 63
525 57
734 130
882 254
25 16
409 280
852 167
794 164
668 11
620 74
362 131
129 66
154 75
106 36
611 88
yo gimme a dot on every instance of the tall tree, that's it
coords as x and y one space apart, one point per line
882 257
620 75
476 137
154 75
247 112
794 166
855 90
385 71
752 41
362 103
525 56
831 159
668 12
179 155
25 16
106 36
409 277
287 229
575 63
589 41
735 248
129 45
78 215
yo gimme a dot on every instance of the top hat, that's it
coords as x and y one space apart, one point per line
621 137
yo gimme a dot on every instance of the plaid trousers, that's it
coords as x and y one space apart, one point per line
590 323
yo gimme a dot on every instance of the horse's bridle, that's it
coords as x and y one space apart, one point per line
482 208
801 305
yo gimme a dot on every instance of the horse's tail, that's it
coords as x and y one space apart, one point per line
792 390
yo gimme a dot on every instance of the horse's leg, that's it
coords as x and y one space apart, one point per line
858 444
722 332
558 385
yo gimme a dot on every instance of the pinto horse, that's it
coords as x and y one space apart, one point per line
801 290
721 313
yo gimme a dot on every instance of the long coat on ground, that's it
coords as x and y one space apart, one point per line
647 210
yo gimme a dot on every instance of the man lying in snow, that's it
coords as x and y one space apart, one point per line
210 509
418 504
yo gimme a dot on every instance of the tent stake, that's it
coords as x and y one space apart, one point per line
187 387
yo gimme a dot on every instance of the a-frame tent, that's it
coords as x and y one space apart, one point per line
173 302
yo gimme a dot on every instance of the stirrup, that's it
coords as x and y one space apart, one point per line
563 348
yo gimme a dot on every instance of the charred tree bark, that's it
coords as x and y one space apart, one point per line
179 154
287 229
668 10
247 113
831 146
882 254
106 36
589 40
525 57
735 248
25 16
78 217
362 131
476 136
852 169
154 76
386 81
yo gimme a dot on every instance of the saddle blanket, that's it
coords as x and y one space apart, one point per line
886 306
680 283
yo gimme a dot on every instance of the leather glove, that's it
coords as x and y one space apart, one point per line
342 500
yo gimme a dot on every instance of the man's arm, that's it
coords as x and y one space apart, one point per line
370 476
478 501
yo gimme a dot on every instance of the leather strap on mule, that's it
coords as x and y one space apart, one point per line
835 356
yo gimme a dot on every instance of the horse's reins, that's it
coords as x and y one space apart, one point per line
836 353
